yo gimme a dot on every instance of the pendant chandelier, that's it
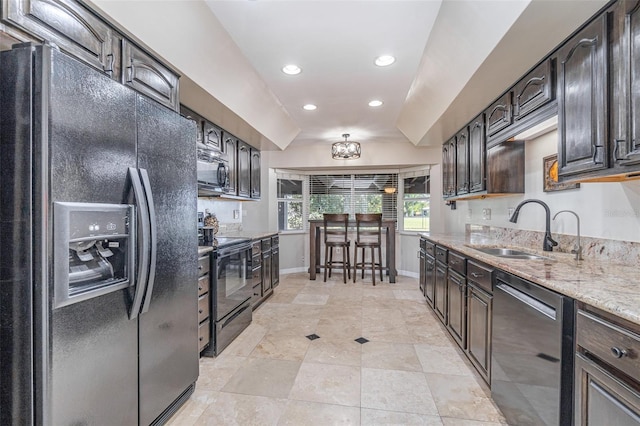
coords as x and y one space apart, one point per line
345 150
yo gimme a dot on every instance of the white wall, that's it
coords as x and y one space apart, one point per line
606 210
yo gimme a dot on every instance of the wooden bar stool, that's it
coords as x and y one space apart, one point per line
368 235
335 235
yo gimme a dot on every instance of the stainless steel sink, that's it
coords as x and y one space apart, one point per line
507 252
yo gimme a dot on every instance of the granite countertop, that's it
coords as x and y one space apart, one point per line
250 235
611 287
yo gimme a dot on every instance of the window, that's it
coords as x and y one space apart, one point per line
290 204
416 204
357 193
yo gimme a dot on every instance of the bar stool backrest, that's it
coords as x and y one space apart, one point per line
336 226
368 226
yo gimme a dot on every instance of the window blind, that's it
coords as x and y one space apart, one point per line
353 193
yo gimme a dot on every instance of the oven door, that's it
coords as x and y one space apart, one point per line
233 279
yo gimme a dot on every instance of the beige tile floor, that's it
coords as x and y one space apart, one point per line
409 373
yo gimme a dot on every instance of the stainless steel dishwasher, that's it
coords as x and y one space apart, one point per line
532 352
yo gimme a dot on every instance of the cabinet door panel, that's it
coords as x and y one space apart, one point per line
534 90
582 95
200 122
440 296
477 155
255 173
148 76
230 148
499 115
449 168
633 146
456 309
479 330
462 162
71 27
429 279
212 135
601 398
244 169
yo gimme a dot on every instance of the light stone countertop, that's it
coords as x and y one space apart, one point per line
609 286
250 235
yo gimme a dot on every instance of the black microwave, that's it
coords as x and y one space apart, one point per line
213 172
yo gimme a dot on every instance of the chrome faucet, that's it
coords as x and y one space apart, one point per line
577 248
548 243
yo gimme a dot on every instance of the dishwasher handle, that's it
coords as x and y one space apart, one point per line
532 302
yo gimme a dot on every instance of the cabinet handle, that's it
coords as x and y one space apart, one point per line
199 267
200 311
199 288
476 275
616 147
200 338
109 68
595 154
130 70
619 353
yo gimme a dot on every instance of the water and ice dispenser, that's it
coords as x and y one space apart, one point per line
94 250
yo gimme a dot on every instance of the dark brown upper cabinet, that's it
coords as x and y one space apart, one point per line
255 173
462 162
499 115
625 85
477 155
229 147
582 100
186 112
534 91
149 76
244 169
449 168
70 26
212 135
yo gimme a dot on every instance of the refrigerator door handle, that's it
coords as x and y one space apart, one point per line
153 237
143 219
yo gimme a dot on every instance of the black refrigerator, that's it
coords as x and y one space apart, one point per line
98 248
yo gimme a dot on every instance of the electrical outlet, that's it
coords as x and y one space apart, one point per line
486 214
418 253
236 214
510 211
338 250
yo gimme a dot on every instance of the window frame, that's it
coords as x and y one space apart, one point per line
402 199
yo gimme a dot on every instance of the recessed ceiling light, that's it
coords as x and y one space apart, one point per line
384 60
291 69
375 103
309 107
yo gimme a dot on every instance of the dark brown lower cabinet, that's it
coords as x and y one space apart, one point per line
440 294
456 307
429 273
607 371
602 398
460 292
479 313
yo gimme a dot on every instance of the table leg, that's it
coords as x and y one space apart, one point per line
391 253
312 251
